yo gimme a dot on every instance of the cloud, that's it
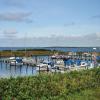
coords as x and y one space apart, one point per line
16 17
69 24
71 40
10 33
98 34
15 3
96 17
92 36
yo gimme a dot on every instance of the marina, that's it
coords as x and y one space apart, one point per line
15 66
49 49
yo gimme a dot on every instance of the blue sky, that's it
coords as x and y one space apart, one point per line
49 22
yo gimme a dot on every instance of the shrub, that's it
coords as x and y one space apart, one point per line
49 86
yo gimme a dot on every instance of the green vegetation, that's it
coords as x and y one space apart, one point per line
87 94
28 52
83 85
24 53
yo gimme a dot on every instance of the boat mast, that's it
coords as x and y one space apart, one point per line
25 40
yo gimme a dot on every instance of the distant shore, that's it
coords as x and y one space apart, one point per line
28 52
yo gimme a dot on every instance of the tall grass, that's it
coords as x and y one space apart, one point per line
55 86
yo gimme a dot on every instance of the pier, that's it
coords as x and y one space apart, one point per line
49 63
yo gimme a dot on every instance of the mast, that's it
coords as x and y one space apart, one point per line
25 40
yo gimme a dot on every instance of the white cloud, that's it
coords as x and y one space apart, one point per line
86 40
15 3
9 33
17 17
98 34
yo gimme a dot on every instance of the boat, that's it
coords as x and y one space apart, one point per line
44 66
15 61
83 64
29 61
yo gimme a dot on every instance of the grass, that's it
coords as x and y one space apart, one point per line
28 53
88 94
23 53
83 85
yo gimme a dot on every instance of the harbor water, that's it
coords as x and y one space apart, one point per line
7 71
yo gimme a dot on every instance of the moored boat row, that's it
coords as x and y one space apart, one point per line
54 63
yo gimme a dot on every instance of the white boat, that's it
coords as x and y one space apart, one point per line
29 61
44 66
83 64
15 61
12 58
60 62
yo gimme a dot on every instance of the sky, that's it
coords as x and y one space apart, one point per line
37 23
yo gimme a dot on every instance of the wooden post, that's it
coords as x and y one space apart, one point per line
15 69
48 57
10 68
32 69
1 63
91 57
36 59
6 64
47 69
26 67
39 69
15 60
20 69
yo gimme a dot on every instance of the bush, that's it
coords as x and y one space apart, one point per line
49 86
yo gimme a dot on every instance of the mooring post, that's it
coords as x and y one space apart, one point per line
47 69
39 69
20 69
26 68
15 60
32 69
91 57
10 67
6 64
48 57
1 63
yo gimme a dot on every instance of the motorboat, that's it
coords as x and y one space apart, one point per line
29 61
83 64
45 65
15 61
42 67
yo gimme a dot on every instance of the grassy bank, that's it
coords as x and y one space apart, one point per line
24 53
87 94
69 86
28 53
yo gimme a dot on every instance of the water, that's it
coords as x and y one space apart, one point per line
13 71
75 49
65 49
7 71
